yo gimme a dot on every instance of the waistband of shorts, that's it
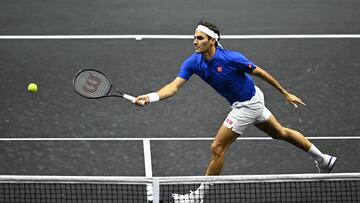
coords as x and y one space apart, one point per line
241 103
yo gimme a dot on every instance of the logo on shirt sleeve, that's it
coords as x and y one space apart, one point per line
250 66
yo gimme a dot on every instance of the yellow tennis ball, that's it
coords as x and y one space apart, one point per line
32 88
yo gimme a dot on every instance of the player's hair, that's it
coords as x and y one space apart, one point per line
211 27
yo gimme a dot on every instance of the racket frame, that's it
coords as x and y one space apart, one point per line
120 94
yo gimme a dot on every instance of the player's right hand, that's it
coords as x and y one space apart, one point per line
142 100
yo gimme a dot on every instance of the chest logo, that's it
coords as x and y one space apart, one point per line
219 69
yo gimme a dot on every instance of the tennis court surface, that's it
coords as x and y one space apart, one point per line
56 146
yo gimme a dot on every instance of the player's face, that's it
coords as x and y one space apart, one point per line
201 42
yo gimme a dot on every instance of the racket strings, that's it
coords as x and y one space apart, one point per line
92 84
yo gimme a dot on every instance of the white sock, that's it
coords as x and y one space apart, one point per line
316 153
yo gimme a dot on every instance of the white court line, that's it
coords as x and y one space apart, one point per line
147 158
148 168
165 139
140 37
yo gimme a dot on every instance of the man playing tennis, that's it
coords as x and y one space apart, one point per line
228 73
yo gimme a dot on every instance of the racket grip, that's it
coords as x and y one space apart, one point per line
129 97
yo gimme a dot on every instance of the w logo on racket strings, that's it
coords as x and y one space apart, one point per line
92 84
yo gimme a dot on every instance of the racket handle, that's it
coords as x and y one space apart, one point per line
131 98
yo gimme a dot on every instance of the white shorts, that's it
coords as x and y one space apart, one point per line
247 113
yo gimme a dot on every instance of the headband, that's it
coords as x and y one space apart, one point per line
207 31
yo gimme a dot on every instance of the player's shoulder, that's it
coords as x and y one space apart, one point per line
231 55
193 59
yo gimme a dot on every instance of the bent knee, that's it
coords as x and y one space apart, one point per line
217 149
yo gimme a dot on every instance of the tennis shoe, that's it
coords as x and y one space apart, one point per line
326 164
192 197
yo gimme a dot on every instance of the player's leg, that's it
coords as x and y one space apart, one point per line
274 129
242 115
223 139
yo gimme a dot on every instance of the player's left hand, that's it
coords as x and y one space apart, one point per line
294 100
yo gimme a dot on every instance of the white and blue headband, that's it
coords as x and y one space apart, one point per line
209 32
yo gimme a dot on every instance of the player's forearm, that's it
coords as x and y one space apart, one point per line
167 91
171 89
270 79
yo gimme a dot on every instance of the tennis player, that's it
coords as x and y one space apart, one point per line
228 73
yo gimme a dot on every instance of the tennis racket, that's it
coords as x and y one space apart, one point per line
93 84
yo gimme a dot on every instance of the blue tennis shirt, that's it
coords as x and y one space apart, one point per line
226 72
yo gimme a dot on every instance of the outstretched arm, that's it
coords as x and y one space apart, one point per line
261 73
165 92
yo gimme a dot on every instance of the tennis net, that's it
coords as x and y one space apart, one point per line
254 188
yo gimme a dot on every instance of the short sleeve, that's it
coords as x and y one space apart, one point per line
243 64
186 69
